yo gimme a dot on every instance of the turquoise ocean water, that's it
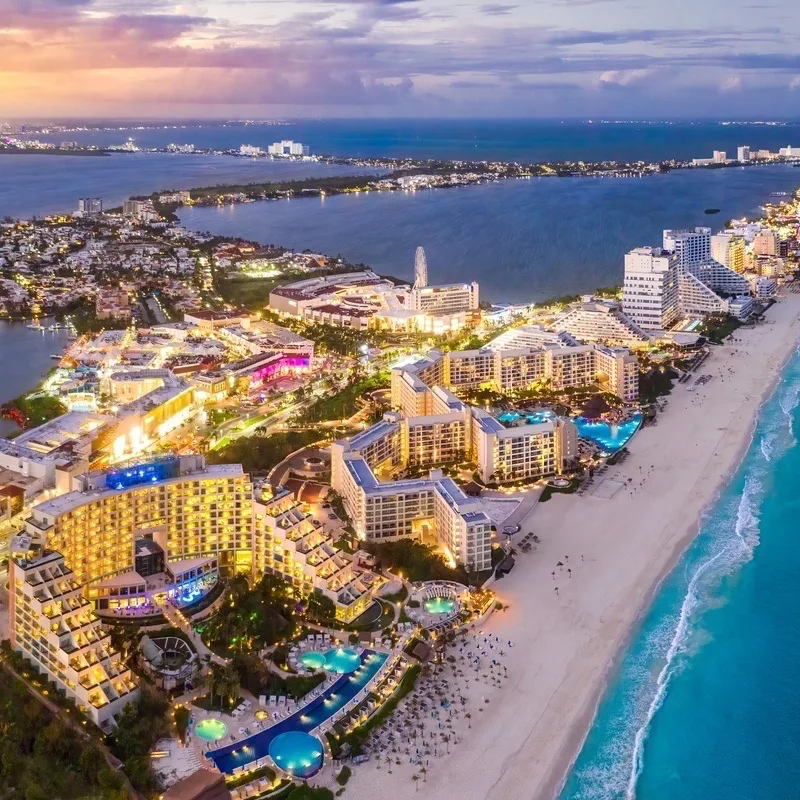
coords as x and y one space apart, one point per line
706 702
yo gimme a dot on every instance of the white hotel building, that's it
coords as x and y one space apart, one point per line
54 627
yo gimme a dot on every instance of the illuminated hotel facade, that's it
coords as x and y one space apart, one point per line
198 516
54 628
291 544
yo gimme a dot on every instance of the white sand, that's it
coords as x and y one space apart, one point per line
523 743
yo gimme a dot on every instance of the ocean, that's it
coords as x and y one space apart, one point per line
705 703
499 139
522 240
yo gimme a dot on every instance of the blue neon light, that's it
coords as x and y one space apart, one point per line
152 471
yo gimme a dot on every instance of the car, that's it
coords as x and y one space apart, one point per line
332 516
326 505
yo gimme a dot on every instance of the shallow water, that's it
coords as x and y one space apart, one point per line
706 702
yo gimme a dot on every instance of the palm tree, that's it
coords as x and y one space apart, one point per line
469 719
415 778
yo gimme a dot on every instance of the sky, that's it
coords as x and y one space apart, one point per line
392 58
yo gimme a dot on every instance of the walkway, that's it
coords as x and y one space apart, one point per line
176 618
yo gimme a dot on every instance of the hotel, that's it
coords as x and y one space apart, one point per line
290 543
190 519
54 628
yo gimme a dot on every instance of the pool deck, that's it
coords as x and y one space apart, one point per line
255 747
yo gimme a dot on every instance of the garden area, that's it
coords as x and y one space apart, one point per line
262 453
344 404
416 561
43 758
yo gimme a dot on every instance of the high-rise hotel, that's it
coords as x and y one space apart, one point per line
172 514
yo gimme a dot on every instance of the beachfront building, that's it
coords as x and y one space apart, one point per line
188 518
561 362
290 543
53 627
428 509
601 321
729 250
650 288
691 247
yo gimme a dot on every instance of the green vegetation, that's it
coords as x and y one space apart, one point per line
182 715
139 726
344 776
417 562
655 383
261 454
305 792
42 758
258 679
253 618
38 408
549 490
261 772
216 416
358 737
719 327
345 403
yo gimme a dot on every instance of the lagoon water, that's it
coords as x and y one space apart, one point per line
522 240
706 702
32 185
24 359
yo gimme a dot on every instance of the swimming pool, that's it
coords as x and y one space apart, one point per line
297 753
532 417
609 437
312 659
440 605
315 713
342 660
211 729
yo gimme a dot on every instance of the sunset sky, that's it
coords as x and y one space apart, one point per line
84 58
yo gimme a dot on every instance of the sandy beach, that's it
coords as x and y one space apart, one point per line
526 728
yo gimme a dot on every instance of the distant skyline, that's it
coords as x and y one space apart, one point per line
400 58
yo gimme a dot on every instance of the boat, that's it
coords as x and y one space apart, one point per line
56 356
35 327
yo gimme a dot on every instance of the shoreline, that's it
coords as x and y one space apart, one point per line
562 769
568 646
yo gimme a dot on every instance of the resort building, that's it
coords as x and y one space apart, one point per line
601 321
362 300
52 626
290 543
433 427
729 250
263 337
559 363
446 299
692 248
190 519
650 288
432 510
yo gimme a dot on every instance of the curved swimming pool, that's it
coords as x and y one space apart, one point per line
313 659
300 754
319 710
342 660
211 729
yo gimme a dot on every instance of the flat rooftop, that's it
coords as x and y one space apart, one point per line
75 499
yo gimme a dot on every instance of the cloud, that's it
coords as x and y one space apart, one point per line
733 83
496 9
617 77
